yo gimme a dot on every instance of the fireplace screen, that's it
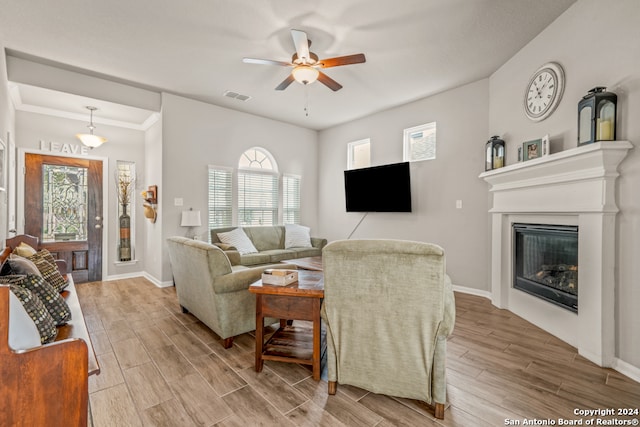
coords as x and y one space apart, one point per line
546 262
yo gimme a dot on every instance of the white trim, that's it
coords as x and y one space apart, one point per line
350 152
627 369
472 291
143 274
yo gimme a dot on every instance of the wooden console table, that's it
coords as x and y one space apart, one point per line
300 301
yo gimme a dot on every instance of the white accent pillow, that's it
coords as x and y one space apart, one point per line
297 236
238 239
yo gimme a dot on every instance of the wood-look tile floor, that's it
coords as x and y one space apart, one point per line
160 367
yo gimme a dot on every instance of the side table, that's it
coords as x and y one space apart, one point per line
300 301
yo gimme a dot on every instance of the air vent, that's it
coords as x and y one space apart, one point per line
235 95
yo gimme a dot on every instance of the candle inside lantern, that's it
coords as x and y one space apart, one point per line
604 130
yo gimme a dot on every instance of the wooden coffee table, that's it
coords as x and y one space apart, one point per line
300 301
313 263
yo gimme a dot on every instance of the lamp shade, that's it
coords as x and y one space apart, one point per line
305 74
190 218
91 140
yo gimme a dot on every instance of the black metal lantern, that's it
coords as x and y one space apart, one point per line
597 116
495 153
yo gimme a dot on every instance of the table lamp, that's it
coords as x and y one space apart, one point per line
190 219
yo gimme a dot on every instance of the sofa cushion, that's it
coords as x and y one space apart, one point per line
16 264
49 270
297 236
50 297
24 250
255 259
305 252
266 238
238 239
38 313
277 255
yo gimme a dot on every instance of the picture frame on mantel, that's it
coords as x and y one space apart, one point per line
532 149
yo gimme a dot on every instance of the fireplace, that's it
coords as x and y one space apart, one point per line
575 188
545 262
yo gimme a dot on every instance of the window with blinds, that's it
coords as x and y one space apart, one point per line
220 197
257 198
290 199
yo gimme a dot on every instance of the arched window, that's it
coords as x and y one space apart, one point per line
257 188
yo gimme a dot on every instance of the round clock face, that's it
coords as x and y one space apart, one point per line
544 91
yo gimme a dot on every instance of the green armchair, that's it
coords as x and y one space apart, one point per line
212 290
388 310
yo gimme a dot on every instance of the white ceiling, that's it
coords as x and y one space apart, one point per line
194 48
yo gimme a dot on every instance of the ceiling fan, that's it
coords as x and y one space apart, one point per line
305 64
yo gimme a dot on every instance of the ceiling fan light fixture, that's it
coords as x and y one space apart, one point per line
89 139
305 74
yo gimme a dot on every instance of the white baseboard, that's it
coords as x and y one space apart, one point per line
627 369
472 291
144 274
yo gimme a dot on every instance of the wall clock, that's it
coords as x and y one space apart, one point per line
544 91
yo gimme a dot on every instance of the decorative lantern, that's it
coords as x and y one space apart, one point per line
597 116
495 153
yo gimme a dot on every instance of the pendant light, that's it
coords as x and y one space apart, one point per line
89 139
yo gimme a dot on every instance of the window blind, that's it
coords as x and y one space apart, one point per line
291 199
257 198
220 203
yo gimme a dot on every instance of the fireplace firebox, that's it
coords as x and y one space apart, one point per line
546 262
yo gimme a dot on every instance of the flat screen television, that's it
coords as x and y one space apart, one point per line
384 188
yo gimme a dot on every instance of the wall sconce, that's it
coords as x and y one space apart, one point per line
190 219
150 203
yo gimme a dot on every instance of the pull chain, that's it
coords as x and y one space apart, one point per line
306 100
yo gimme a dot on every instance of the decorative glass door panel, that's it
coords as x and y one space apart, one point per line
63 208
65 200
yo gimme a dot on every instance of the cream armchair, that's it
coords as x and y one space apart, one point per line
388 310
212 290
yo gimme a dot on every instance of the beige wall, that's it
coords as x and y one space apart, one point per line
196 134
598 44
462 116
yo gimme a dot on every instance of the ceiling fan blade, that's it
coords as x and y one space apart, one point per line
329 82
265 62
358 58
301 42
286 82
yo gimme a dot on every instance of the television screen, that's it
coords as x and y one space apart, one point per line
384 188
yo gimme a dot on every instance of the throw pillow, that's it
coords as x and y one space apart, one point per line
38 313
52 300
18 265
297 236
49 271
239 239
23 333
24 250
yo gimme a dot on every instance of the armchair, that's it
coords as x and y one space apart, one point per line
388 309
212 290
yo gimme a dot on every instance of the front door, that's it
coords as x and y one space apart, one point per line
63 208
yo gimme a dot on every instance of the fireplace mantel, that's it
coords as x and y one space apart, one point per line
573 187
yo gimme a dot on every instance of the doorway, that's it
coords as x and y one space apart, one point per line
63 208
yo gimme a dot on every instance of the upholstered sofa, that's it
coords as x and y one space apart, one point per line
213 290
270 243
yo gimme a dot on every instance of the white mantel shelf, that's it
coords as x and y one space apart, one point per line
573 187
575 174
